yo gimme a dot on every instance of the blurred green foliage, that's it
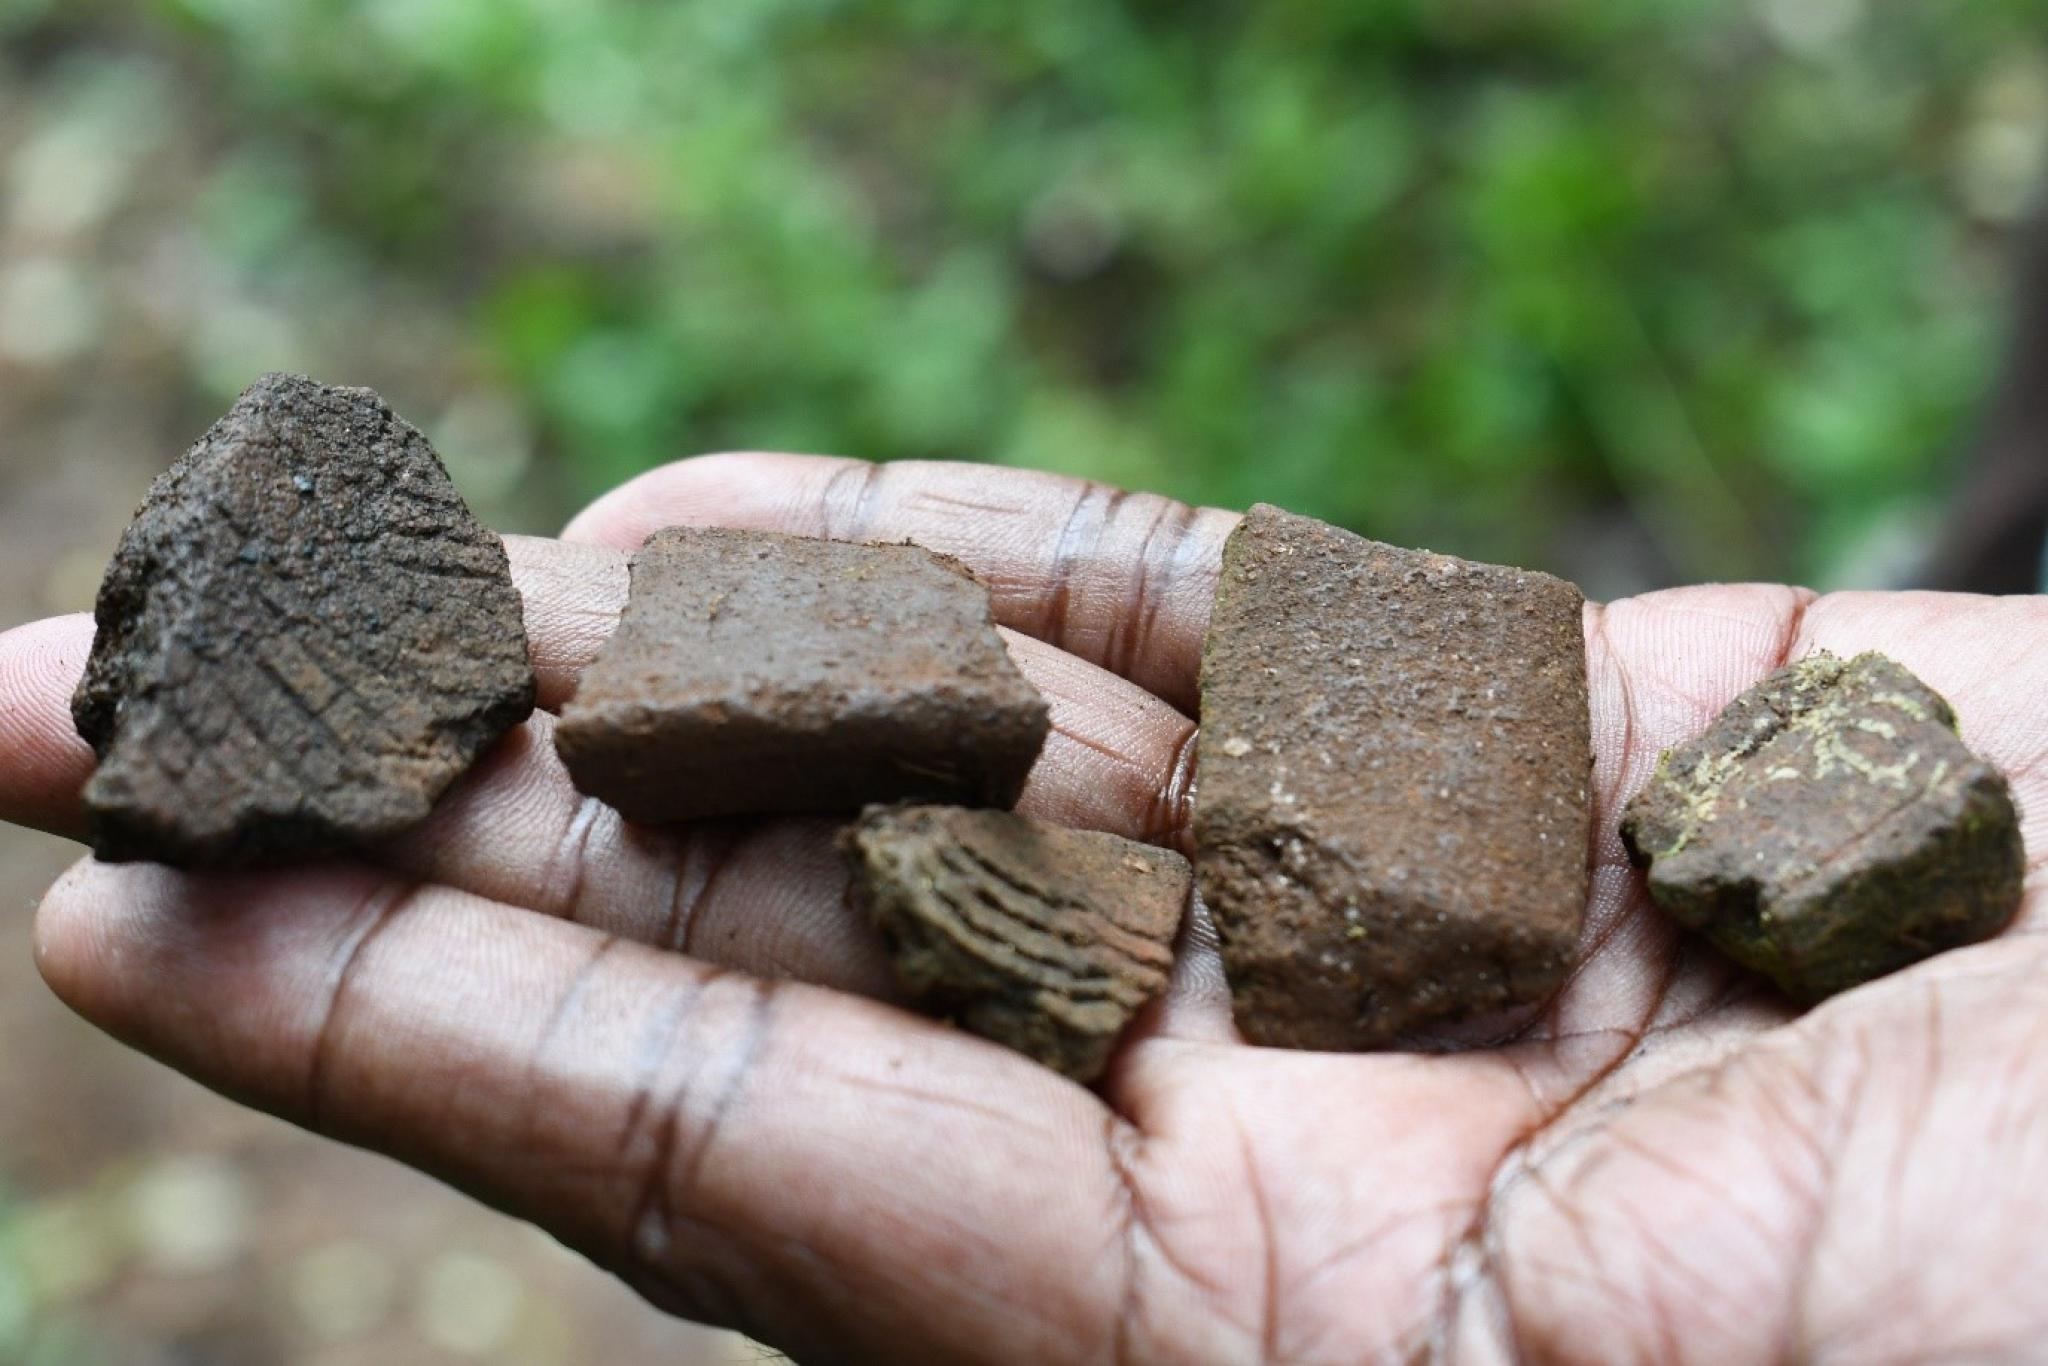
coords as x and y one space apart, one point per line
1492 275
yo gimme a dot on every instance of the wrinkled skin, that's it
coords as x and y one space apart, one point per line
666 1048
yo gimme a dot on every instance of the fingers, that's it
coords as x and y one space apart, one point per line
1194 1009
1118 759
1120 580
43 763
1659 668
1663 665
711 1137
767 896
1987 656
759 896
573 597
762 896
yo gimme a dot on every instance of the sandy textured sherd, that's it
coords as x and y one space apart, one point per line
1043 939
1393 795
1830 827
304 638
756 673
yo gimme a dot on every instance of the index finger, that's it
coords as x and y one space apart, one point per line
1107 736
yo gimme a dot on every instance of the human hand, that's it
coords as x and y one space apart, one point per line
674 1050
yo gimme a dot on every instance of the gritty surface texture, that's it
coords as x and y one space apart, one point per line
755 672
1830 827
1393 798
1043 939
304 638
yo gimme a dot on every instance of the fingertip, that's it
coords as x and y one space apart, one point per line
66 639
96 930
39 655
43 762
61 937
572 596
223 975
1112 759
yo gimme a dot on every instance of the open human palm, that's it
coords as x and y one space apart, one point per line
677 1051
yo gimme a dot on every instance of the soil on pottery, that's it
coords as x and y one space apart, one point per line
1830 827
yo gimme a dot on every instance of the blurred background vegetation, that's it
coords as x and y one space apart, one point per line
1643 291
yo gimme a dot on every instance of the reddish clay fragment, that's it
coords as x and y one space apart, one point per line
756 673
1393 798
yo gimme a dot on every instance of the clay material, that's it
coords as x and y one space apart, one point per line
754 673
304 638
1393 796
1831 827
1043 939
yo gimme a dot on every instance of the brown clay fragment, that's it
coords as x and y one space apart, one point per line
757 673
1393 798
304 638
1043 939
1831 827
